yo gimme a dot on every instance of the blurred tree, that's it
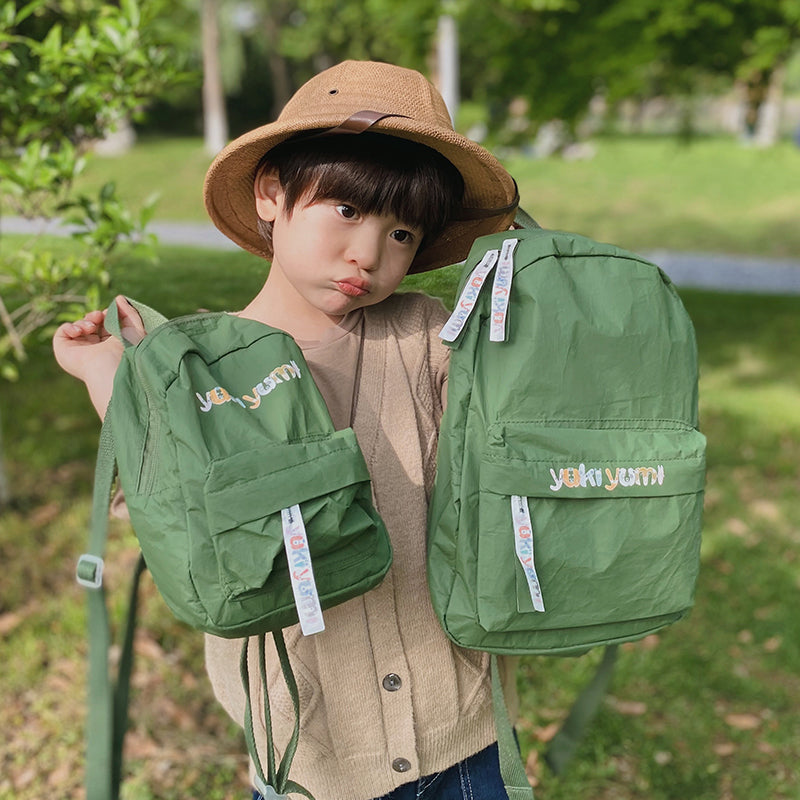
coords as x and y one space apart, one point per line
295 39
746 40
323 32
557 54
71 71
265 50
546 52
215 119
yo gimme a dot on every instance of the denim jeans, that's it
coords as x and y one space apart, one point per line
475 778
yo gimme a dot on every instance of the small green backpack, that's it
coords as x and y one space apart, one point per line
566 512
251 511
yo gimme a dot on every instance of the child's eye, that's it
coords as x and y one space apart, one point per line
404 237
348 212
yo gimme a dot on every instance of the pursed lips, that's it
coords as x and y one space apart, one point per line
353 287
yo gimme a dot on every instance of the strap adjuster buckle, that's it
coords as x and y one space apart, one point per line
89 572
268 792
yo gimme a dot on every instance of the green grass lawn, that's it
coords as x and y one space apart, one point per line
712 195
640 193
706 710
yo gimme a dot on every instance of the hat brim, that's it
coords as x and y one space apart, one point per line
489 191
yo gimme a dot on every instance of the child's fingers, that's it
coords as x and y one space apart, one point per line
80 328
130 321
97 316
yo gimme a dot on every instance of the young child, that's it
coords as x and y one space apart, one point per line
360 180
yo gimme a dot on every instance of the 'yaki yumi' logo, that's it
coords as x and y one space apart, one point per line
219 396
609 478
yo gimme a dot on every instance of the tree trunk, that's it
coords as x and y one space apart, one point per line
447 63
215 119
769 118
278 66
763 95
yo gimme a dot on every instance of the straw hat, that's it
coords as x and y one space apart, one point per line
351 97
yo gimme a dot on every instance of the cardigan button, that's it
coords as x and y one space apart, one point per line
392 682
401 765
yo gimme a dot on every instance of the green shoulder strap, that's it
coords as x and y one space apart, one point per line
563 745
107 717
108 705
523 219
512 770
275 784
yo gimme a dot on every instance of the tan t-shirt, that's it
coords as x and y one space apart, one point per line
335 365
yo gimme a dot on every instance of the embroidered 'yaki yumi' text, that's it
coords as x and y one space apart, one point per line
609 478
219 396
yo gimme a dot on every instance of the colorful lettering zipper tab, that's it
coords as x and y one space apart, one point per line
523 537
469 297
501 290
304 588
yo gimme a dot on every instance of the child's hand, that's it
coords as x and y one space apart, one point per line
80 345
87 351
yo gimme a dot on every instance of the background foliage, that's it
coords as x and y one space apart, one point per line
706 710
555 55
71 72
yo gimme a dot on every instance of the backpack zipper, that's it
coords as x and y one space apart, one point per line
149 471
148 474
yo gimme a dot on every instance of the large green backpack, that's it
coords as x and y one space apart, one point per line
251 511
567 506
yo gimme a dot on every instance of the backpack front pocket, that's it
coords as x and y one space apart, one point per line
328 479
594 526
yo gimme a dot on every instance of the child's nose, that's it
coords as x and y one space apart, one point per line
364 248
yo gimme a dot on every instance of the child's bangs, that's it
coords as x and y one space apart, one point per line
406 192
374 173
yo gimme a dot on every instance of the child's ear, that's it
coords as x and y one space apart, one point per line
267 190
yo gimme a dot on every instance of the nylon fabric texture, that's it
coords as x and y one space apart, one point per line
219 426
587 412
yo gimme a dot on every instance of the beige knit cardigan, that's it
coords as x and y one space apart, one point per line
364 733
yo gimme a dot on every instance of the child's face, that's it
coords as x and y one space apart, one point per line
331 258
